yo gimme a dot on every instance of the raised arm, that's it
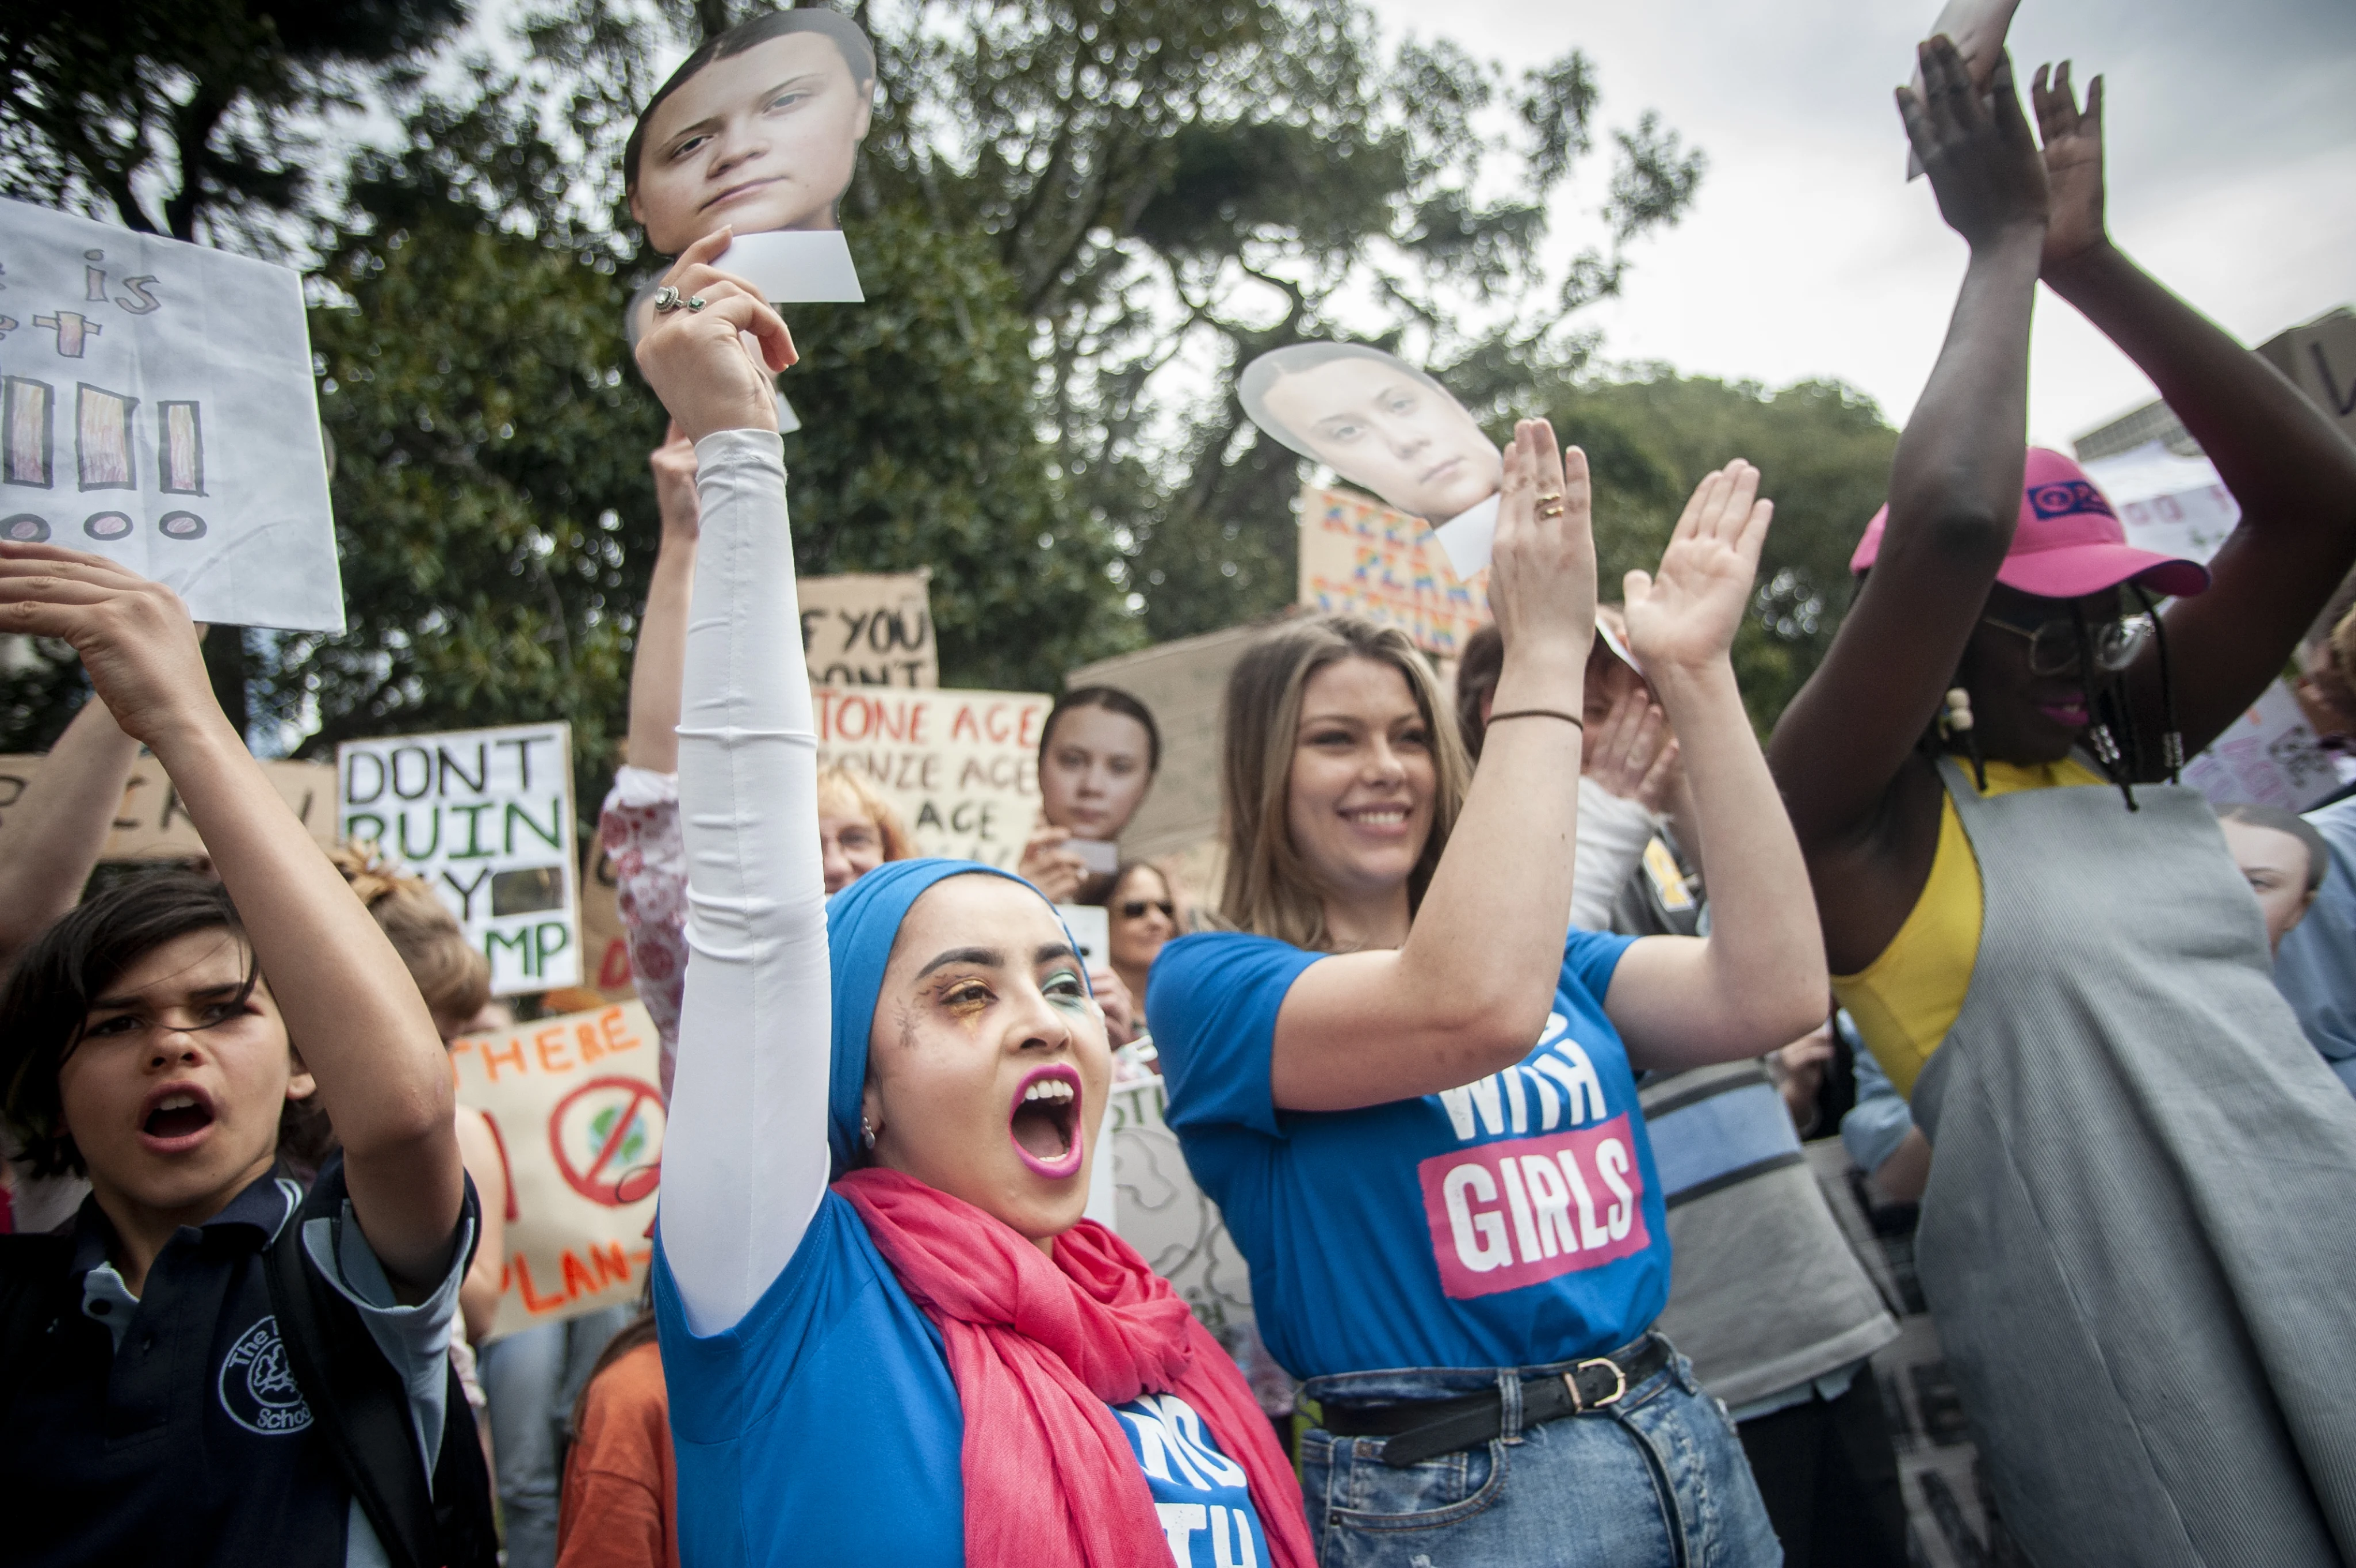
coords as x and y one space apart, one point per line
1469 991
59 824
658 652
1758 979
744 1159
349 1002
2293 473
1954 485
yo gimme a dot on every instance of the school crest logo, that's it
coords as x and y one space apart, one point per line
257 1386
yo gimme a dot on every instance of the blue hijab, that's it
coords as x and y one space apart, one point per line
862 922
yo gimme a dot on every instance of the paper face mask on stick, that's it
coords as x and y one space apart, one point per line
760 129
1977 28
1383 425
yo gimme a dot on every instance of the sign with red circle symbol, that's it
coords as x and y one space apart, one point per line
607 1138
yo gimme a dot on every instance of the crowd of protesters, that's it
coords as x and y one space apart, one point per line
1496 1046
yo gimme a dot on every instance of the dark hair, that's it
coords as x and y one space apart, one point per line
857 53
1261 375
2318 853
48 993
1477 669
1112 699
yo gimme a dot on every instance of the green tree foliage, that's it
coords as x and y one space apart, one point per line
1823 450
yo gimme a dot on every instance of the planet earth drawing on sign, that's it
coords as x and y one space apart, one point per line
607 1139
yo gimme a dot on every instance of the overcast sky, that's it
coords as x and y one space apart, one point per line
2232 176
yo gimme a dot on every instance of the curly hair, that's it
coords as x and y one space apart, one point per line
451 974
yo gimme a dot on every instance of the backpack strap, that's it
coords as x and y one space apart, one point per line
362 1410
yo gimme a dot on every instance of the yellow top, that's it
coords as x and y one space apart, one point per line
1906 1000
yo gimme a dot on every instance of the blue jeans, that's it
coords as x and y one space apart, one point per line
1657 1480
529 1381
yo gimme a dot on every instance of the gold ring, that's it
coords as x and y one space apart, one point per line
1554 511
1550 497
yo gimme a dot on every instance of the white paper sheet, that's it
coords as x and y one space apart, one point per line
157 407
805 266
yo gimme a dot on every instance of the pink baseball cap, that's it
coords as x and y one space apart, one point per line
2069 541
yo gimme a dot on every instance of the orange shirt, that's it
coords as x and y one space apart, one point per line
621 1495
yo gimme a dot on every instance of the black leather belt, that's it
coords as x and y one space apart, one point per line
1425 1429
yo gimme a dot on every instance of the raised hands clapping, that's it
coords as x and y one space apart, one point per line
1983 162
1686 616
2073 163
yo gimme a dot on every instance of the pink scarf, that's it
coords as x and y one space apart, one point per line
1039 1350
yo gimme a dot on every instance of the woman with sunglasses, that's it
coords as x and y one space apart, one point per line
2134 1237
1143 909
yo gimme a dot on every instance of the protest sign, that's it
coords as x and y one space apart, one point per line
1172 1223
962 767
2320 358
2166 501
157 408
605 950
154 825
577 1109
1387 427
801 83
1366 559
2268 757
485 816
869 629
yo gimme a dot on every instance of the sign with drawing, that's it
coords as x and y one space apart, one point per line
157 407
485 816
578 1116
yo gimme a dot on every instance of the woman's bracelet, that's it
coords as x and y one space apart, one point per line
1575 721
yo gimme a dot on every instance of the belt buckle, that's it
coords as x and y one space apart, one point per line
1571 1383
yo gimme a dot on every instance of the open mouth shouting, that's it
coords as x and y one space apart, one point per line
1045 1123
175 1118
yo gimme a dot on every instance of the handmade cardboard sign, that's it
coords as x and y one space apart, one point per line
2268 757
962 767
1160 1210
578 1114
869 629
1368 560
2320 358
1977 28
157 407
1383 425
759 131
154 825
485 816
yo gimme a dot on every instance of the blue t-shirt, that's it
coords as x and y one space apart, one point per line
824 1427
1515 1222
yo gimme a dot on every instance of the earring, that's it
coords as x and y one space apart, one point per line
867 1131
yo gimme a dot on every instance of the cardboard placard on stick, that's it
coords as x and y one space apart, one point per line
485 816
1360 557
578 1111
157 407
962 767
154 825
869 629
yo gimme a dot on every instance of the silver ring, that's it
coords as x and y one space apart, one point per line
665 298
698 302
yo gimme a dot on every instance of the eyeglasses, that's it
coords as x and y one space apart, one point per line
1135 908
2053 647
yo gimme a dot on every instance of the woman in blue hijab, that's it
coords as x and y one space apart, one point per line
887 1333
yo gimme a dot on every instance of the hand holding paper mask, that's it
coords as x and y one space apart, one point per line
695 356
1381 423
760 129
1977 28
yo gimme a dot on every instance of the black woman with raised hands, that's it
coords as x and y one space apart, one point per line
2136 1237
1411 1087
888 1336
211 1365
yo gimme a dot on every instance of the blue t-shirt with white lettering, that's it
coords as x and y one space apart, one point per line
1515 1222
824 1427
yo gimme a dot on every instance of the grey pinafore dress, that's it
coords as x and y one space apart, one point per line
2140 1238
